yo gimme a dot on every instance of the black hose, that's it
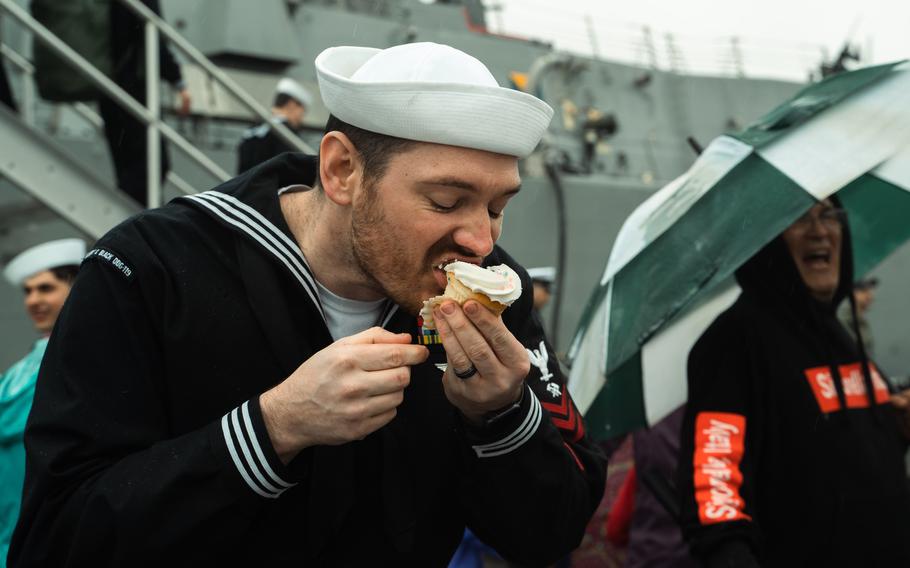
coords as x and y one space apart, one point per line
559 193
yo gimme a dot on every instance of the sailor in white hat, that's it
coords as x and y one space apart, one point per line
267 334
420 159
45 273
430 93
260 143
416 169
542 278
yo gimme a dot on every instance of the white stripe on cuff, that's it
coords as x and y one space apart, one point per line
522 434
245 452
244 461
256 448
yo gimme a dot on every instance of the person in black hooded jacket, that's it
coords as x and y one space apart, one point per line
786 459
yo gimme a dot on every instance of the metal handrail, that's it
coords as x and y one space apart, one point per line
25 66
16 59
285 133
111 89
152 105
28 89
90 116
82 109
150 113
180 183
96 122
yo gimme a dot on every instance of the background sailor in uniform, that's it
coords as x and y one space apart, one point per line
45 273
260 143
542 277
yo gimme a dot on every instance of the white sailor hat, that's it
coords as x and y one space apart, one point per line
291 88
545 274
430 93
42 257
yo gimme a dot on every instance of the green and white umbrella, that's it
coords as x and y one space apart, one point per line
670 271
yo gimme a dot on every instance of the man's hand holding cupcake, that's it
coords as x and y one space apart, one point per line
487 365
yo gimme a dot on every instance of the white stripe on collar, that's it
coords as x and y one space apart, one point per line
291 247
294 188
290 256
279 245
391 308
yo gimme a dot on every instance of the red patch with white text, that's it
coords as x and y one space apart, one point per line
719 445
821 381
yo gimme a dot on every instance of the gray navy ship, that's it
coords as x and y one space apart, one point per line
620 132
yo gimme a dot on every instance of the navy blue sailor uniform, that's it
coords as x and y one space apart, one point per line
146 443
260 144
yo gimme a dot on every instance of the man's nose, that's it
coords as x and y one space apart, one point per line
476 234
32 299
818 227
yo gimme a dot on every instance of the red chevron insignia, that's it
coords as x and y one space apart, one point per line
565 417
557 408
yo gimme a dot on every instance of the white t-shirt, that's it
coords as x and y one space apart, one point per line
348 317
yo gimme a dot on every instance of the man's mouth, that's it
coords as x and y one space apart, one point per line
439 273
439 270
442 265
818 258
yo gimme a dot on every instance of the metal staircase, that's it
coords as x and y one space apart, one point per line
37 164
54 178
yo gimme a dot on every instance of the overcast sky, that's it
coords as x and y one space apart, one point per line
776 38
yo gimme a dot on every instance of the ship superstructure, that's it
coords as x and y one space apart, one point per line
619 133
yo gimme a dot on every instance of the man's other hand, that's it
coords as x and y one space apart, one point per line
342 393
183 102
474 336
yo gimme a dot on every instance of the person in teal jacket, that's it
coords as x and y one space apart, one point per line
45 273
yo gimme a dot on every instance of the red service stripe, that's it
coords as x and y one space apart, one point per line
572 453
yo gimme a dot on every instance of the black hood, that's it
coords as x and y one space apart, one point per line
773 275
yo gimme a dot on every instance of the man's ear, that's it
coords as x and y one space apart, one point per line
340 167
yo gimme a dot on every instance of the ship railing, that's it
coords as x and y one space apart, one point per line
150 113
25 67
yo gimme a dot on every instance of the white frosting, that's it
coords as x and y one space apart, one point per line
499 283
426 312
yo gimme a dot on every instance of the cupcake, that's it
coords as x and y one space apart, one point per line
495 288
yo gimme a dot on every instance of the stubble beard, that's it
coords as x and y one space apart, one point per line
379 256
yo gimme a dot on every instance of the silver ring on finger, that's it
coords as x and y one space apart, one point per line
467 373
